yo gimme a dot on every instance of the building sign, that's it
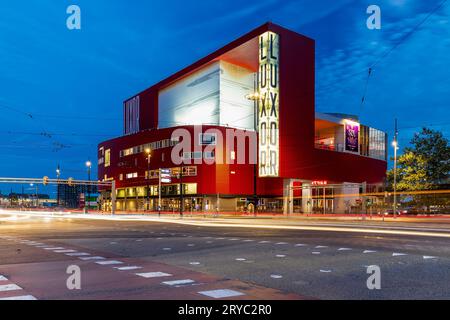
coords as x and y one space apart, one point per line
165 176
319 183
268 89
351 136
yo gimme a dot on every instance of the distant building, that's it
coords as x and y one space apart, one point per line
74 196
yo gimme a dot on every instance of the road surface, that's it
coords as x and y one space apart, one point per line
225 259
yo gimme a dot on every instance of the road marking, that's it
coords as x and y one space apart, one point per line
344 249
325 271
369 251
42 246
108 262
54 248
36 244
280 255
128 268
276 276
265 241
92 258
429 257
320 247
248 240
3 278
78 254
234 239
300 245
65 251
113 242
28 297
9 287
167 249
153 274
396 254
194 263
315 252
178 282
221 293
139 240
281 243
240 259
191 245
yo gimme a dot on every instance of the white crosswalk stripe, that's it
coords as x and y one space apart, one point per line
153 274
128 268
91 258
9 287
221 293
178 282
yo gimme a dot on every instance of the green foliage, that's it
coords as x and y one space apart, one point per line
423 166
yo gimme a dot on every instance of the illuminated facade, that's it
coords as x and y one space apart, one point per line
246 109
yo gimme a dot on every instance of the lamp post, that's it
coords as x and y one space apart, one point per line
88 165
148 152
395 145
255 97
58 173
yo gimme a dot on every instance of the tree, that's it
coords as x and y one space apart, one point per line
425 165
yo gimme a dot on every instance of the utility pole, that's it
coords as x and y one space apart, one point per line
87 200
395 145
58 173
159 193
148 151
181 190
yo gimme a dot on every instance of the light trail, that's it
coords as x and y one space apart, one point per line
220 224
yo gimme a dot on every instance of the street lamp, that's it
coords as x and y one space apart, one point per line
255 97
58 173
88 165
148 152
395 145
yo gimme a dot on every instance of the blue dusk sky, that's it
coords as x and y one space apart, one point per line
61 90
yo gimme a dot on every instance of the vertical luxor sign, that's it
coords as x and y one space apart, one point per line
268 88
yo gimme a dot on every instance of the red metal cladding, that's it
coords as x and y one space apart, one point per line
299 159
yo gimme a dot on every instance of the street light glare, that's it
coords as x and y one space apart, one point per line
88 163
148 151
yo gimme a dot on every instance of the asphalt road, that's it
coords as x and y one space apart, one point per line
175 261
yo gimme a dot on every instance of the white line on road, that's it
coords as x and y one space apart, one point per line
429 257
54 248
300 245
315 252
65 251
194 263
281 243
153 274
369 251
344 249
9 287
27 297
320 247
397 254
240 259
108 262
178 282
325 271
92 258
128 268
78 254
3 278
276 276
280 255
221 293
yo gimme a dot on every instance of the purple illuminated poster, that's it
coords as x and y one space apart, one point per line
351 137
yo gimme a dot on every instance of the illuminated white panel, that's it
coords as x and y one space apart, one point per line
268 89
235 84
214 95
191 100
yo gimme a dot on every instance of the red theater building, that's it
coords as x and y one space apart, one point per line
238 128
